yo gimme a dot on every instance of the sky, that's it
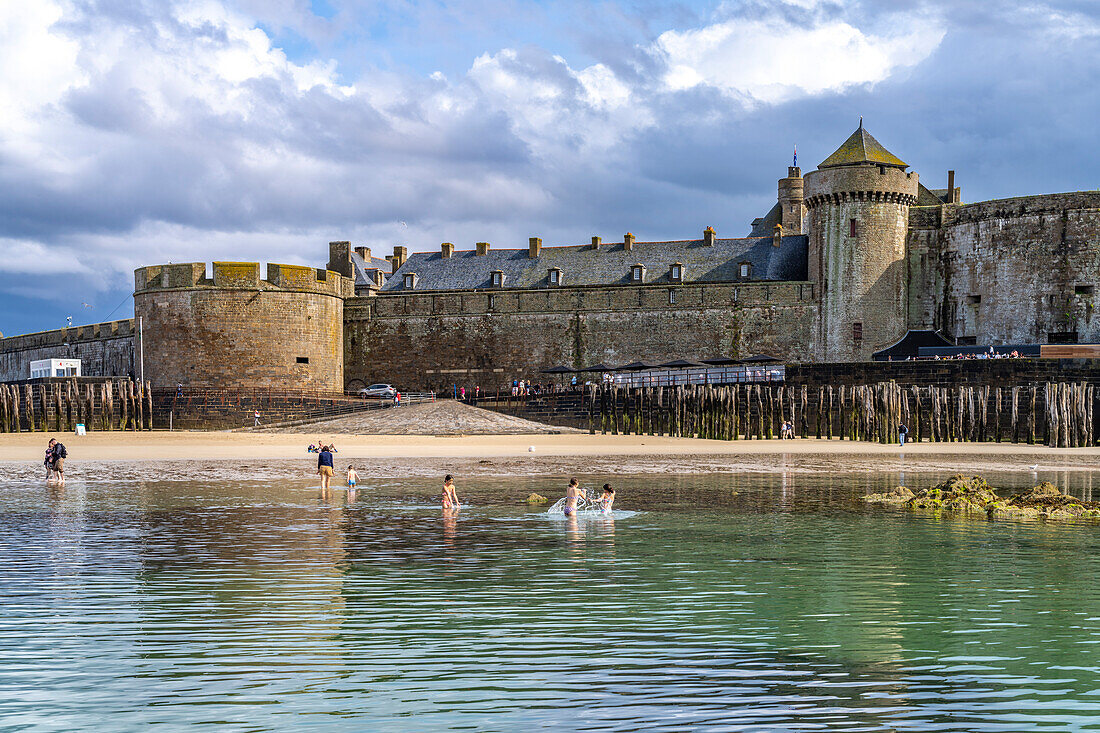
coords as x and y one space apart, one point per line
137 132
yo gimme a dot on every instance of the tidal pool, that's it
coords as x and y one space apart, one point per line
239 600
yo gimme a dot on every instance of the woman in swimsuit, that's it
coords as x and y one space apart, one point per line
573 493
449 497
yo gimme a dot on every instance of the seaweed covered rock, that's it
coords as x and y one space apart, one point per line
1044 501
534 498
964 495
900 495
956 494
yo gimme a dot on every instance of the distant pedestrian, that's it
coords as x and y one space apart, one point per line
57 462
179 390
324 467
256 419
462 393
397 399
903 433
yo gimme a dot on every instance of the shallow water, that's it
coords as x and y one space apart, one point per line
769 601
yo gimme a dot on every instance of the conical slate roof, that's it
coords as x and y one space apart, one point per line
862 148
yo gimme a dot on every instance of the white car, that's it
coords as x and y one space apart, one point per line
386 391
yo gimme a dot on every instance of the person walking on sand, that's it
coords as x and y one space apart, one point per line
324 467
903 433
58 463
449 497
572 494
256 418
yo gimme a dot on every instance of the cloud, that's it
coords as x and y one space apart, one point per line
774 60
156 130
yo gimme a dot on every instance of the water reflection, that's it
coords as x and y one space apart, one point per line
739 601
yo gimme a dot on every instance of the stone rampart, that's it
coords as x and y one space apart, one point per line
436 340
235 330
104 350
1021 270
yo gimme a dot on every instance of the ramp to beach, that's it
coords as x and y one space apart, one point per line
443 417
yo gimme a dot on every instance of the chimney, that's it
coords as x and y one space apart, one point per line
363 252
596 242
534 247
628 242
393 266
339 258
777 235
447 249
951 187
482 248
709 235
400 254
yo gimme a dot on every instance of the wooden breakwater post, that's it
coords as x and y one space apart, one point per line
1062 414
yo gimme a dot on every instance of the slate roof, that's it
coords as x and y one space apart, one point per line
361 266
862 148
609 265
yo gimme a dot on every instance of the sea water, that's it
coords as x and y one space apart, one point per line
133 598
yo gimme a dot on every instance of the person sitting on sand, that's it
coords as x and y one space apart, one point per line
450 498
573 493
324 467
353 477
607 499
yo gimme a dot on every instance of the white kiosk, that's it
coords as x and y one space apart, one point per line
55 368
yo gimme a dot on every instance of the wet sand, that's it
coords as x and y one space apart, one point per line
402 455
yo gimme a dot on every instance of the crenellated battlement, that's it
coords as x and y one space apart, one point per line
861 184
69 336
242 276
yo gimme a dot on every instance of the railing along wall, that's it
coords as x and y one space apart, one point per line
1058 414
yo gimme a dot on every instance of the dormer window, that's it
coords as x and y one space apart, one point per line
497 278
410 280
745 269
676 272
553 277
637 273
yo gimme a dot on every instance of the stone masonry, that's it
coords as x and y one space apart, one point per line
848 259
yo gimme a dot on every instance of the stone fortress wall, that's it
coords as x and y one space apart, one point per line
235 330
436 340
1007 271
105 349
1019 270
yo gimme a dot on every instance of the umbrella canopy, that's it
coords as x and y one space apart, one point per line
636 366
759 359
910 345
682 364
721 361
558 370
597 368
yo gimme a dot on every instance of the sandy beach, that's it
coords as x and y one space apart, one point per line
511 454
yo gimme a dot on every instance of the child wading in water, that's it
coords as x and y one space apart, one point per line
353 478
607 499
450 498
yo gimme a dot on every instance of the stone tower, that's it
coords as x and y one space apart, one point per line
238 331
858 201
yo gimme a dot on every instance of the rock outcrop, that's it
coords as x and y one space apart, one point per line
973 495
